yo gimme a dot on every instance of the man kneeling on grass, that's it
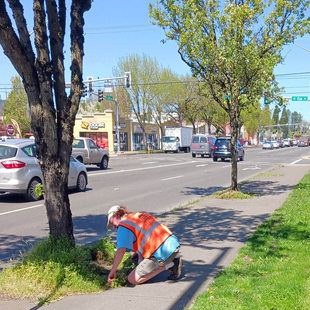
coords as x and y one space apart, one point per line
155 247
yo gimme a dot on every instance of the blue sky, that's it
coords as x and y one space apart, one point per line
116 29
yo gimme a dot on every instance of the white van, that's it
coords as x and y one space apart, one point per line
202 145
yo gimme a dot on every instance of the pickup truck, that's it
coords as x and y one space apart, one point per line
87 152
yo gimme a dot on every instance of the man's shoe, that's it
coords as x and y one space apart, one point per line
176 269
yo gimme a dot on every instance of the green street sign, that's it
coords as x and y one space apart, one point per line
109 98
299 98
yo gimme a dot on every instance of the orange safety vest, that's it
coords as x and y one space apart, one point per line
150 234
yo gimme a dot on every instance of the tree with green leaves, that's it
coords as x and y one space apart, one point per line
186 105
251 119
41 67
233 46
296 121
164 90
16 107
284 120
276 115
144 71
275 118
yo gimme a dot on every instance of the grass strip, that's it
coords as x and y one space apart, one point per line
272 271
53 268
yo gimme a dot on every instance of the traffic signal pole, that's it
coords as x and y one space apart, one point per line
126 78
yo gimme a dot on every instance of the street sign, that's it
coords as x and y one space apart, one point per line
109 98
10 129
299 98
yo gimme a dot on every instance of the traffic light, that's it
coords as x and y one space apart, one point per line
127 79
100 95
90 84
266 100
84 91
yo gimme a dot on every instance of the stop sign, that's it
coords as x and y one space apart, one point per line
10 130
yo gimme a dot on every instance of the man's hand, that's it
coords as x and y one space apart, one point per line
112 275
117 260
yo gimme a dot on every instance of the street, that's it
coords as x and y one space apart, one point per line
154 183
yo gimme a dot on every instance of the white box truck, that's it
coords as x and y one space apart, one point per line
177 139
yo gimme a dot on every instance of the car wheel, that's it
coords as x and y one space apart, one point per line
166 152
214 158
104 163
202 155
31 190
81 182
193 155
222 159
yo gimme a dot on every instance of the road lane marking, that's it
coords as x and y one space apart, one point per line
19 210
176 177
140 169
252 168
202 165
149 162
296 161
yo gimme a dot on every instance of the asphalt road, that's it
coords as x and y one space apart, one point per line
154 183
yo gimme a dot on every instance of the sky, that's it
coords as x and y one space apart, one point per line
119 28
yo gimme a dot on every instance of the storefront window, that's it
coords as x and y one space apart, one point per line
152 141
123 141
100 138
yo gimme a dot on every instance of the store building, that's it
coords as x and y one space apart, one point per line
102 129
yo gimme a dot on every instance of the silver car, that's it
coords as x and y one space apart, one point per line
202 145
20 171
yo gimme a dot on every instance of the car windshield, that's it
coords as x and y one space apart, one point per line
7 151
195 139
222 142
169 139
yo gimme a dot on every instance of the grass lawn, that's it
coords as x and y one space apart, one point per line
273 270
54 268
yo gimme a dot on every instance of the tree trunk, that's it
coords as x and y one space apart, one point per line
234 156
55 173
58 205
209 128
52 111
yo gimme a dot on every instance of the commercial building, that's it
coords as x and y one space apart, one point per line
101 127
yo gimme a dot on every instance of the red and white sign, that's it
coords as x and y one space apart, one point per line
10 130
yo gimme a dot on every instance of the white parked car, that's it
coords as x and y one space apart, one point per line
268 145
20 171
276 144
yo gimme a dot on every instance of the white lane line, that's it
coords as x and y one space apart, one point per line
139 169
296 161
176 177
202 165
23 209
252 168
149 162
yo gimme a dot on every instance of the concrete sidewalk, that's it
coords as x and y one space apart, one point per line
211 232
